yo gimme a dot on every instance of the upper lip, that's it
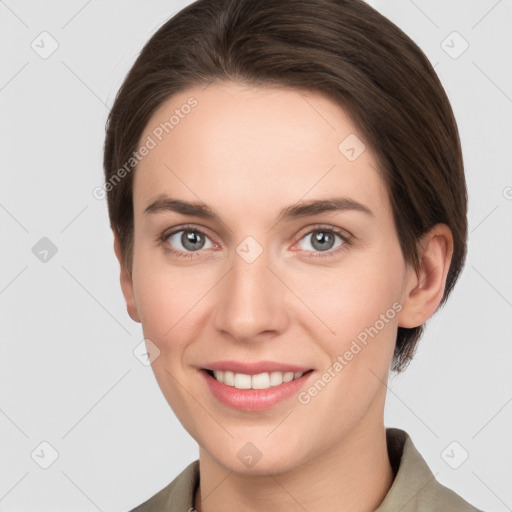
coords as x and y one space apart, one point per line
254 368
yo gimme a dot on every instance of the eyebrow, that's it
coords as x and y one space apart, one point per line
163 203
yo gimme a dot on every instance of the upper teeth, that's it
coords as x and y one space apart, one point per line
259 381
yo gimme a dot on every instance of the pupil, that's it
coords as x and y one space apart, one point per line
190 240
324 238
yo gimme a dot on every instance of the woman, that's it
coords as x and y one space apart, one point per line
247 135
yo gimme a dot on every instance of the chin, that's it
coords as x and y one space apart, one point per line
248 460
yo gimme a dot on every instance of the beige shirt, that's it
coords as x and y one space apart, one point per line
414 487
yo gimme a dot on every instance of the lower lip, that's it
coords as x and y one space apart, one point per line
253 399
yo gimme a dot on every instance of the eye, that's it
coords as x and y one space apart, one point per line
185 241
321 239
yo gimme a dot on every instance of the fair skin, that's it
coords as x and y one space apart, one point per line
247 153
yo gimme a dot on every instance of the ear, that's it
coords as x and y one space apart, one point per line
126 282
424 290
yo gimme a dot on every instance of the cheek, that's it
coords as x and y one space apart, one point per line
353 296
163 299
163 292
359 303
361 306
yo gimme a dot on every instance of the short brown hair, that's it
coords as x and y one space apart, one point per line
343 49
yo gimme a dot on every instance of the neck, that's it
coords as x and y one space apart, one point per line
354 475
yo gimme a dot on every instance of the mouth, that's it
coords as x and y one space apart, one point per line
256 391
264 380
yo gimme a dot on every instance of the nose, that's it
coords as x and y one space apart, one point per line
251 300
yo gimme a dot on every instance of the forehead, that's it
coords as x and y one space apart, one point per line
231 143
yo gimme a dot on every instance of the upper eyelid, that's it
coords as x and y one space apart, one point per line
326 227
173 231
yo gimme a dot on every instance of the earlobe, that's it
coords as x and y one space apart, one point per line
126 282
425 289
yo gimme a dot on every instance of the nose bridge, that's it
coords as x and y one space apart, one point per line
249 299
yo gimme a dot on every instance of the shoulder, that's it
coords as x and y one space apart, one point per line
439 497
177 496
415 488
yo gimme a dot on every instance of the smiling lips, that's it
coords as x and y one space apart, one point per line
263 380
254 386
255 375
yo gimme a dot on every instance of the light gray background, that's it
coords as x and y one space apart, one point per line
68 375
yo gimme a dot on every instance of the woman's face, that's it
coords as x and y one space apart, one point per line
261 279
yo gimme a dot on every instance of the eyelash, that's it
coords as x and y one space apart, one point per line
345 237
